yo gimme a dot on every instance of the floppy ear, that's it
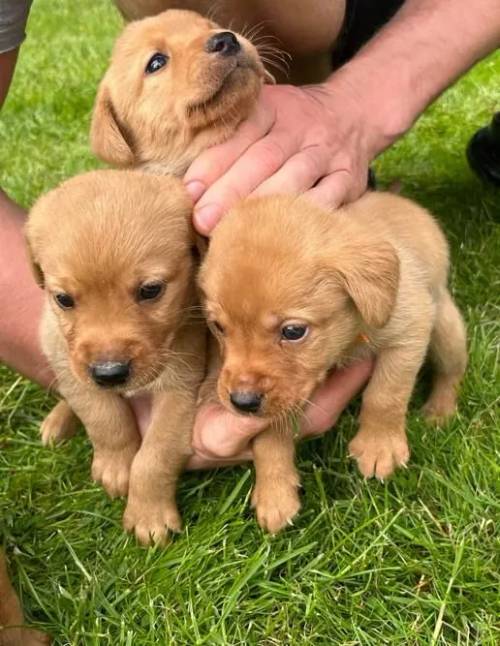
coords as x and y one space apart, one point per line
35 267
110 140
369 273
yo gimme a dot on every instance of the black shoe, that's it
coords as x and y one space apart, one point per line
483 152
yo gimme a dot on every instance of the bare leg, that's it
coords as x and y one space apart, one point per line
275 495
12 632
448 353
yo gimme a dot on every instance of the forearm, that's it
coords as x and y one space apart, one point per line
20 299
424 48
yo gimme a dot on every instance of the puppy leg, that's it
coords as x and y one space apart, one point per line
275 496
151 507
12 632
380 444
59 425
111 427
448 353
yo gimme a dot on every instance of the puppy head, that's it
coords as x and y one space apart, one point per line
288 288
113 250
177 83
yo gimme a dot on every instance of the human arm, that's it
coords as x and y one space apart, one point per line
321 139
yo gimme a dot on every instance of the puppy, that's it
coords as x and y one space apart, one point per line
292 290
177 84
12 632
113 251
308 36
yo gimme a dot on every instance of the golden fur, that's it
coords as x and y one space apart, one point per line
161 121
100 237
307 33
370 278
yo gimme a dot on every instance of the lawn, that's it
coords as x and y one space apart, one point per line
411 561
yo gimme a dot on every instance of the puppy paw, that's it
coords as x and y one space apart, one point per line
276 505
379 454
59 425
112 470
23 637
154 523
438 409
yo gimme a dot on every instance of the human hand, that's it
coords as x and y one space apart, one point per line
312 140
221 438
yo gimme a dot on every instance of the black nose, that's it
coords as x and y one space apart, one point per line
224 43
110 373
247 402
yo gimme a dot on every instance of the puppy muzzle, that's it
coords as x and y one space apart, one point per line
108 374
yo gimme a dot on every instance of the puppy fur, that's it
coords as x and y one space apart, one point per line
106 240
161 121
370 278
308 37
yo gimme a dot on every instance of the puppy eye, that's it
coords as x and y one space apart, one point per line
294 332
156 62
150 291
65 301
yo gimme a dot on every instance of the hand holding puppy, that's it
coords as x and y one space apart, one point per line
219 437
314 139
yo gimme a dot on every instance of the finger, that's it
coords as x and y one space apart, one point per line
332 190
333 396
141 405
198 462
259 162
215 161
298 174
220 435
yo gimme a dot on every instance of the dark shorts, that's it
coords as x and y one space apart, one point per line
363 19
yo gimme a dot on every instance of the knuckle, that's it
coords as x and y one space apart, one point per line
272 152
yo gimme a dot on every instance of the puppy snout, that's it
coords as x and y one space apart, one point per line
246 401
110 373
224 43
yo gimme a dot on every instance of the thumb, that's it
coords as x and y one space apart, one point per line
219 434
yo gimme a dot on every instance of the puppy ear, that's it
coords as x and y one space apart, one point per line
269 78
369 273
110 140
35 267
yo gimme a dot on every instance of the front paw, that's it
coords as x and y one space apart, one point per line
379 453
152 522
276 503
59 425
112 470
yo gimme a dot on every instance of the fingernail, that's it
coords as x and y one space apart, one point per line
207 217
195 188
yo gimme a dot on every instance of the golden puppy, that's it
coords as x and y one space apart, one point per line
12 632
308 32
177 84
114 253
292 290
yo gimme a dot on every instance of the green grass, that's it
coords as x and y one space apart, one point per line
412 561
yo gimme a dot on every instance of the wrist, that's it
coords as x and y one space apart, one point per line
384 106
